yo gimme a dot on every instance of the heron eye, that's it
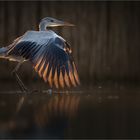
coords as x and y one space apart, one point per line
51 20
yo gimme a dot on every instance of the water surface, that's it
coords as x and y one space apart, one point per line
86 113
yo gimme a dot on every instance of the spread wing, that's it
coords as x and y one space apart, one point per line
52 59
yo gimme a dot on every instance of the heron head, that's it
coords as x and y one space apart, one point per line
52 22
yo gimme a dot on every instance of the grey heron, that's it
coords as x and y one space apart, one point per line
49 53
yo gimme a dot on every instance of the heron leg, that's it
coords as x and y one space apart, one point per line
19 81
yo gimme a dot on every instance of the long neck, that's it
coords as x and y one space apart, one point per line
43 26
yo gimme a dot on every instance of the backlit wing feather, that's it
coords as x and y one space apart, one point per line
52 59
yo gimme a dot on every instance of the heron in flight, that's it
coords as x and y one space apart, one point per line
49 53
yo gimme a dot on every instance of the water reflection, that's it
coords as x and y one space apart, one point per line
57 106
100 113
37 115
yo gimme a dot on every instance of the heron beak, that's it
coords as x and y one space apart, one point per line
61 23
68 24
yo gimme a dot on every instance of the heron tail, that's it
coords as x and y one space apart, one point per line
3 51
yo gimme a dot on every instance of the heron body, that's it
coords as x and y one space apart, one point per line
49 53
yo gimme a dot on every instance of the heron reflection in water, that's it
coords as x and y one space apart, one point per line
50 55
42 114
57 107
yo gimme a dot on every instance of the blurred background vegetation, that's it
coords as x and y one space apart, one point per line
105 41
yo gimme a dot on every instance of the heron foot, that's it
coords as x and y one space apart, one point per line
50 91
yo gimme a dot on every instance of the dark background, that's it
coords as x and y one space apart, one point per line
105 41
